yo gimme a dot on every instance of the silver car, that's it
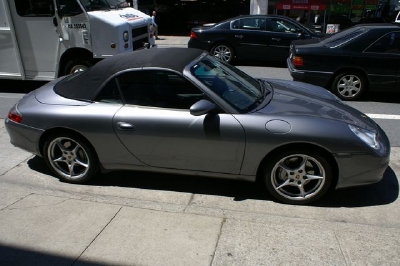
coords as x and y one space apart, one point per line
182 111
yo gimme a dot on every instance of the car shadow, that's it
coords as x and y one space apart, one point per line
255 63
384 192
383 97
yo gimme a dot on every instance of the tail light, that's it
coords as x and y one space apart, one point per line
297 61
193 35
14 116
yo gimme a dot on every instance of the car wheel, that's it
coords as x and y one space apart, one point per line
298 176
76 65
70 158
223 52
349 86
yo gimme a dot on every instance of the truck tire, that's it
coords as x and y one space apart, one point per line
76 65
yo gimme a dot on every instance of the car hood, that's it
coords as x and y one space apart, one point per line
292 98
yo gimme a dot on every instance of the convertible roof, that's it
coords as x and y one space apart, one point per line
86 85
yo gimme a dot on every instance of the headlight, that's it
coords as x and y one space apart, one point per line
125 36
367 136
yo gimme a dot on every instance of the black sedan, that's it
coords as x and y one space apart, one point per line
252 37
351 62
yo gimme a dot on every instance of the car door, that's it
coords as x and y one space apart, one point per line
36 35
249 37
156 126
381 62
281 34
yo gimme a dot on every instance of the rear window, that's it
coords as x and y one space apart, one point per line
343 37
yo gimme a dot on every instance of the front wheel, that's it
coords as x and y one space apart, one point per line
349 86
298 176
70 158
223 52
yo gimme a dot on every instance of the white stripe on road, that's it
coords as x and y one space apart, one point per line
381 116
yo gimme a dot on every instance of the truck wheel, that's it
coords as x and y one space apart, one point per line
77 65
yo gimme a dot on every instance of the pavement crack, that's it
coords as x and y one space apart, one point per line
217 242
340 247
189 202
8 207
94 239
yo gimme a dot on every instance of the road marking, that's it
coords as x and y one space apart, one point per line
382 116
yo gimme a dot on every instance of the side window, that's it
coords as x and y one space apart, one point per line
110 93
235 24
278 25
256 23
389 43
158 88
68 8
35 8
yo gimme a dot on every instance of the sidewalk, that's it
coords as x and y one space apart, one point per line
127 219
173 41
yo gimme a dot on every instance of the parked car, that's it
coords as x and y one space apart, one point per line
182 111
371 20
350 62
254 37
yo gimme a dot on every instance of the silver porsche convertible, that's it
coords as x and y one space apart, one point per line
180 110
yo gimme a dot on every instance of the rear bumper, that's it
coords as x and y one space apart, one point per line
24 137
313 77
199 44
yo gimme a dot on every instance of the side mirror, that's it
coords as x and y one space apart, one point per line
202 107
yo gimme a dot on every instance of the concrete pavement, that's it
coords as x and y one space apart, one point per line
140 222
172 41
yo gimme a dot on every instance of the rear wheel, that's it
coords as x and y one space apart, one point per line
349 85
70 158
298 176
223 52
77 65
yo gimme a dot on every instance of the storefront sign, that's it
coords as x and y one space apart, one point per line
332 28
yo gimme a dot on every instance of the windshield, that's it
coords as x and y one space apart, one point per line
342 37
240 90
92 5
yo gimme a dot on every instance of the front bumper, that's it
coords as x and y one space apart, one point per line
362 169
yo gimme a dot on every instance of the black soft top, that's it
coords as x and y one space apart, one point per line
85 86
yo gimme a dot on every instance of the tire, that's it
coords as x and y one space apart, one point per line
223 52
298 176
76 65
70 158
349 86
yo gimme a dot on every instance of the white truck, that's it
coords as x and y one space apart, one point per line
45 39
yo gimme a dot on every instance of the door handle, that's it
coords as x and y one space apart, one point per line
276 39
239 36
125 126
